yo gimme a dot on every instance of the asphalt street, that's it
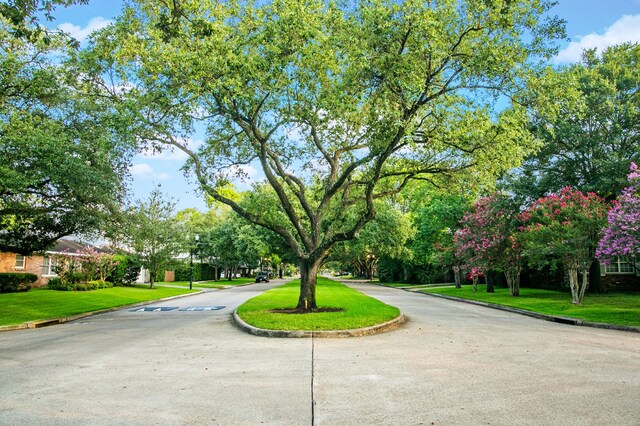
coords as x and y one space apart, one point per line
451 364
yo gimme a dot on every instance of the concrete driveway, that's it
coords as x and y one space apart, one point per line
451 364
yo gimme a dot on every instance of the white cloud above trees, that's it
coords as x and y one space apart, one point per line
145 171
625 29
80 33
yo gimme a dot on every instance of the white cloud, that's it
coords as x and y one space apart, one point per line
625 29
81 34
141 169
145 171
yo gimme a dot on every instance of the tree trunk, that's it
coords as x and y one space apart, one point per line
513 281
489 281
573 285
585 284
457 276
152 279
475 282
308 278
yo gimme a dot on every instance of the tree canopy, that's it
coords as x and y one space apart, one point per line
63 160
590 123
340 103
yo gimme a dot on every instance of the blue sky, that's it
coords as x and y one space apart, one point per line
590 23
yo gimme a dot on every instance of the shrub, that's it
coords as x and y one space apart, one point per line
98 284
57 284
126 271
12 282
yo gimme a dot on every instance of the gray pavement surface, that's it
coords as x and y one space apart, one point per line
451 364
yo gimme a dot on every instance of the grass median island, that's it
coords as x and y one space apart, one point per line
613 308
41 304
356 309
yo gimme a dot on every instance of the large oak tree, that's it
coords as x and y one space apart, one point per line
340 103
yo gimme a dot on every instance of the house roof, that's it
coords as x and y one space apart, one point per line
64 245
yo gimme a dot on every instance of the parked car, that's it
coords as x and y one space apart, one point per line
262 276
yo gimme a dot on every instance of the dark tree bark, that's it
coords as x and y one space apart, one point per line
308 279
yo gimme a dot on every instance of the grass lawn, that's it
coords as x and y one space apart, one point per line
359 310
614 308
210 284
41 304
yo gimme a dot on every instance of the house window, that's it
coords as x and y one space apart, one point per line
621 265
48 266
20 261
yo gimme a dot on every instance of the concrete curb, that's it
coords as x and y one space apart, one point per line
552 318
54 321
358 332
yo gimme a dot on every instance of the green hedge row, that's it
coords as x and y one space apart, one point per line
11 282
56 284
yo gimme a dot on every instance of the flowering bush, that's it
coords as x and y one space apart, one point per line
85 266
565 228
488 240
622 235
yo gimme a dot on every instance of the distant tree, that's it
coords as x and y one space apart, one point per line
622 234
590 124
565 228
435 223
386 235
151 232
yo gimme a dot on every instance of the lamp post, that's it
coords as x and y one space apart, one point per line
191 247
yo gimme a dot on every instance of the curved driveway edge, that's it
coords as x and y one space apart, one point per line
54 321
552 318
357 332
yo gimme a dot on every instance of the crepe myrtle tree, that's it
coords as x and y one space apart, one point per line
339 103
489 239
565 228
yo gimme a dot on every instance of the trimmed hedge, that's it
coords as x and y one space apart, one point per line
201 272
56 284
12 282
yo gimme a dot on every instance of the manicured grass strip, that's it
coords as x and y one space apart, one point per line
359 310
614 308
210 284
41 304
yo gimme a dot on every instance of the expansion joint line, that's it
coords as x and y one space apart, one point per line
313 360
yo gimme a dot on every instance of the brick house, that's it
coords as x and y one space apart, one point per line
41 265
621 274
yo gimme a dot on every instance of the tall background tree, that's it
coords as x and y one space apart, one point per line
591 129
339 103
63 158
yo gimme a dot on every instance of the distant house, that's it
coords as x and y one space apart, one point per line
42 265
